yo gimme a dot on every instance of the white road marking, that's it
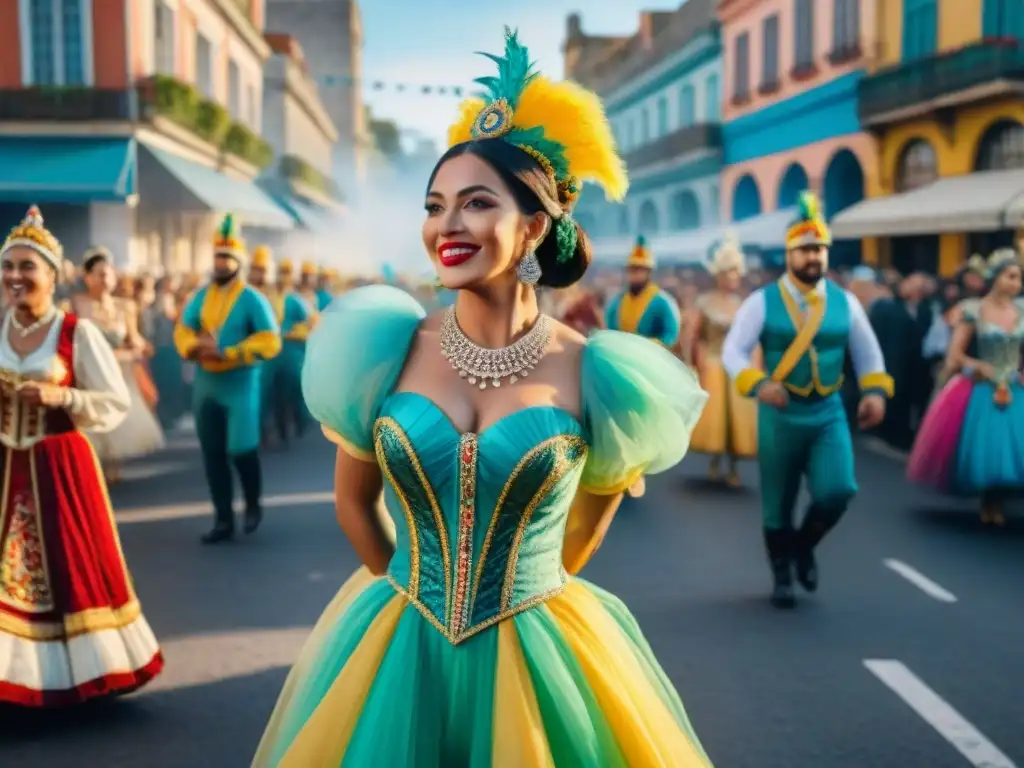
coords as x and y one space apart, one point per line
939 714
920 581
204 508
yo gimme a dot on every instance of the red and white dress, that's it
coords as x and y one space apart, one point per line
71 627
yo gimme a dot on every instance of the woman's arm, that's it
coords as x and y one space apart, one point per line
589 519
360 510
101 399
690 337
956 356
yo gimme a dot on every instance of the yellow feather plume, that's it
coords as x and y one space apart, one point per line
570 115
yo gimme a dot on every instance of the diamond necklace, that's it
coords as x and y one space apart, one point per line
479 365
25 330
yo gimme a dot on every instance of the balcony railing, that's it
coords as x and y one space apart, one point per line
64 104
679 142
918 83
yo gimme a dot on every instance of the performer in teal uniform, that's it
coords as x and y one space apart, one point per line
805 325
260 266
228 328
326 284
644 308
284 373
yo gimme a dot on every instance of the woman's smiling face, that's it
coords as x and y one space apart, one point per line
28 278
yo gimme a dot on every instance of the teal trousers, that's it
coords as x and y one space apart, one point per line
809 438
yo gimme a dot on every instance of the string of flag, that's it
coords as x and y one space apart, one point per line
334 81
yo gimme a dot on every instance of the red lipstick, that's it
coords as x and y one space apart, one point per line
453 254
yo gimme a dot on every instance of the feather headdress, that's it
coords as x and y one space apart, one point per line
561 125
641 255
227 241
810 227
977 264
1001 258
728 255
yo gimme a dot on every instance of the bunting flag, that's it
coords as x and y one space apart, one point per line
337 81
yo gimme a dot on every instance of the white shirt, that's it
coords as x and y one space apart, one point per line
745 333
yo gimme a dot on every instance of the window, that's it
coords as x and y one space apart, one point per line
920 28
685 211
163 39
1002 147
630 135
1003 18
741 84
770 50
645 126
662 116
57 42
234 90
803 34
686 106
712 105
204 65
254 106
918 166
845 25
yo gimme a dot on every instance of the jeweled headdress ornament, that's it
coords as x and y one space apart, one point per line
810 227
32 233
728 256
1000 259
228 241
561 125
641 255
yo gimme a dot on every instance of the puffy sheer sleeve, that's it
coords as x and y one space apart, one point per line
99 401
354 357
640 405
969 311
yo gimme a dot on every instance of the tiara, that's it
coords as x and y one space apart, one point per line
32 233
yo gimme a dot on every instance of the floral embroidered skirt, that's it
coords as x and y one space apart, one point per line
71 628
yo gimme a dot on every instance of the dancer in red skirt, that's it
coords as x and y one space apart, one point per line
70 624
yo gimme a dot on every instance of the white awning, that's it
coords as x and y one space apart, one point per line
687 246
986 201
767 230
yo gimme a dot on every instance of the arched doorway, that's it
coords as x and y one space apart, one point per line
648 221
918 167
623 220
746 199
685 210
794 181
843 187
1001 148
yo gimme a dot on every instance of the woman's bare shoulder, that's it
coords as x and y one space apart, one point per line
568 341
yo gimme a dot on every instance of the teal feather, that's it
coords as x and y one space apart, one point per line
227 227
641 241
515 71
808 206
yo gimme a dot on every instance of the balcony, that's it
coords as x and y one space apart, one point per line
984 70
64 104
676 144
297 170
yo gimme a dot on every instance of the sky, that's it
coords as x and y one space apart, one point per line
413 42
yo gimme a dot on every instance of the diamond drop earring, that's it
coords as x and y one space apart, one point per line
528 269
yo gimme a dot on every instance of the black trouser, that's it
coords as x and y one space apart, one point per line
212 429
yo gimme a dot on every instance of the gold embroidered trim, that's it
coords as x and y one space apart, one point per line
562 466
455 639
496 513
798 322
414 541
467 512
442 529
74 624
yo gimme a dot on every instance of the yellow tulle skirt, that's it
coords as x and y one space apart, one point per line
569 682
728 426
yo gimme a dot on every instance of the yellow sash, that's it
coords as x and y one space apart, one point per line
807 328
217 305
632 308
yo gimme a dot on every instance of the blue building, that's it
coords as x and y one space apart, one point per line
662 91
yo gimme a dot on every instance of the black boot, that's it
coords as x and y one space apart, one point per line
818 521
779 544
248 466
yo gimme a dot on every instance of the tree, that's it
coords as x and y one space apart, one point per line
387 138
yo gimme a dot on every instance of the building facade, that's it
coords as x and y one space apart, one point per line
303 136
331 34
944 98
662 92
135 124
791 71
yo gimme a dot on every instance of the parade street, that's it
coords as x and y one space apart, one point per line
908 657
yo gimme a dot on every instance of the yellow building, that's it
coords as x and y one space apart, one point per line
944 98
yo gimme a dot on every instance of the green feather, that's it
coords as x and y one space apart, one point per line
227 227
641 241
515 71
808 206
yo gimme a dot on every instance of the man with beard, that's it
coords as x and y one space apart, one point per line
229 329
644 308
805 325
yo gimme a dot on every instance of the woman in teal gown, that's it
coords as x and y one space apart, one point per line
467 640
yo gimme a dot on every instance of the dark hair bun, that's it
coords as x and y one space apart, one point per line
562 274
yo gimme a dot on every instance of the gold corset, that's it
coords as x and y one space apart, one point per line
713 330
22 426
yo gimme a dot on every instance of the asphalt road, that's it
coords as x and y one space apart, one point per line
910 656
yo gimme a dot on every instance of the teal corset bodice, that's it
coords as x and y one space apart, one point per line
820 370
997 347
480 518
